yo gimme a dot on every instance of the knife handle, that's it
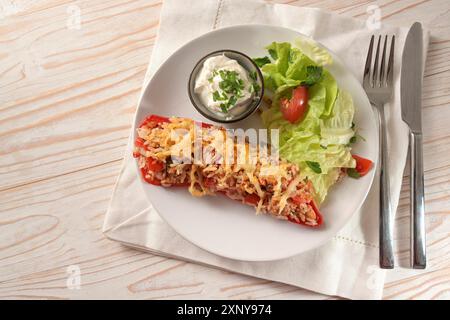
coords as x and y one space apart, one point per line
386 228
418 251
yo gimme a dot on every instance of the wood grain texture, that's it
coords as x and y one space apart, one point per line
67 97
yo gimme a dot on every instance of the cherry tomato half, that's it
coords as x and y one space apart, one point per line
363 165
294 109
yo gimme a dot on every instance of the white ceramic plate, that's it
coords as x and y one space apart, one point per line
225 227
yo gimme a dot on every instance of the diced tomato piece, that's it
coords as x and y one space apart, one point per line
299 199
252 199
363 165
139 142
153 181
155 165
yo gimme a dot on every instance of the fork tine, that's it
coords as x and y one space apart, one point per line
375 73
390 68
366 78
382 67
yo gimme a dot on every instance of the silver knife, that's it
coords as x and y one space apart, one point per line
411 95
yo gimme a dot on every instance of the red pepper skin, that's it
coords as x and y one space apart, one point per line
317 212
154 182
154 118
162 119
139 142
250 199
205 125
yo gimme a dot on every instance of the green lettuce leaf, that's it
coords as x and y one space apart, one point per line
338 128
281 51
301 148
321 182
298 63
315 52
330 85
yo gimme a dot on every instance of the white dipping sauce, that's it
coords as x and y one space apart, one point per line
207 83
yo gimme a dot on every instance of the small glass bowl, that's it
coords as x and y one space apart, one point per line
236 113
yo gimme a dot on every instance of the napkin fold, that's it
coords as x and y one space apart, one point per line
347 266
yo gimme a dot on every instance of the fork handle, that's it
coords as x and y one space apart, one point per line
386 228
418 257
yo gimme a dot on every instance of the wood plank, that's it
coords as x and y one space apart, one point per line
67 102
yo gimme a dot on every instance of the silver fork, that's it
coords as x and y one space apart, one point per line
378 84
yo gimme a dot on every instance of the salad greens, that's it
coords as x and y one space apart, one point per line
261 61
313 75
318 144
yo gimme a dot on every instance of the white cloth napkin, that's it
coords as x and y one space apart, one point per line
347 266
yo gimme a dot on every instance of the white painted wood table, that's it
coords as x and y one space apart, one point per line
68 91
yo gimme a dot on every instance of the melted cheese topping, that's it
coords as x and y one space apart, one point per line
176 139
292 188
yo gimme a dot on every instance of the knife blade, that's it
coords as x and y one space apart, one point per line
411 104
411 79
